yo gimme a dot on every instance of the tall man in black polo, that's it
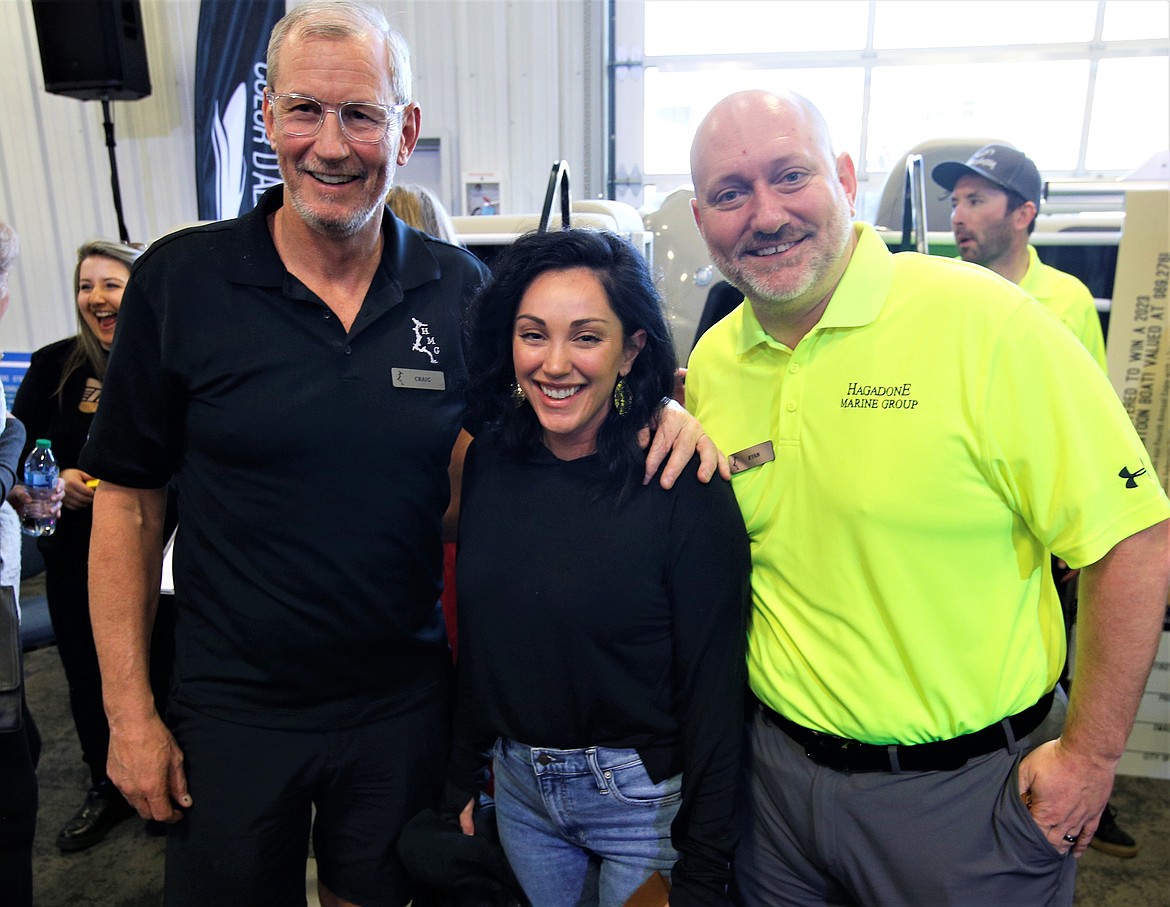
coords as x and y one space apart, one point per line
296 373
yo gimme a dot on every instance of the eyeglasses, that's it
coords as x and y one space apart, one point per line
361 121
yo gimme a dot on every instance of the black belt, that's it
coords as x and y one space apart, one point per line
847 755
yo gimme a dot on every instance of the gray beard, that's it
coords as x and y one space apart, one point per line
756 288
337 229
349 226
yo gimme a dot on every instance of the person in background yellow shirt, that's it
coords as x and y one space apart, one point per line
995 197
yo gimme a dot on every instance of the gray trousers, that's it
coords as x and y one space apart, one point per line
815 836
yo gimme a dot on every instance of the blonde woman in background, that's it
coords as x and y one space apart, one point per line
418 207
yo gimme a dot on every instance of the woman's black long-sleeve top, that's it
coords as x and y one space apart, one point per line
582 623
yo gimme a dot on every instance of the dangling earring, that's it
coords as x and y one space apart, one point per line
518 395
622 398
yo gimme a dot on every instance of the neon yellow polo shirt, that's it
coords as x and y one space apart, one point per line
1069 300
922 472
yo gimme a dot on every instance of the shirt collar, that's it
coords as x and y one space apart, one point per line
1034 281
406 258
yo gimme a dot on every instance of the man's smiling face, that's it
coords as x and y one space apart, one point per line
335 185
771 202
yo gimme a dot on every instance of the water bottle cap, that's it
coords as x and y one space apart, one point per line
44 442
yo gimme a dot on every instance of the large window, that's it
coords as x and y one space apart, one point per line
1081 85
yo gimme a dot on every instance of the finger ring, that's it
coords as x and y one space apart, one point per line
1071 839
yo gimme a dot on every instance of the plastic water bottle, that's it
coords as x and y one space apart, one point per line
40 478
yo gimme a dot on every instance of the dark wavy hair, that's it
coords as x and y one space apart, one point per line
629 288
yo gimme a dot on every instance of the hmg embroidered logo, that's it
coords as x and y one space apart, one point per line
424 342
1130 477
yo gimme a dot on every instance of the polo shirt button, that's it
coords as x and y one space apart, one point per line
792 407
793 369
348 350
327 315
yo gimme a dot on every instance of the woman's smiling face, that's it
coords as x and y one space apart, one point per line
569 348
100 284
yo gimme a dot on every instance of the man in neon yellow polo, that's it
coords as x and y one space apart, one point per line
905 463
995 197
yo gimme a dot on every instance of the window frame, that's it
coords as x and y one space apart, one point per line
628 62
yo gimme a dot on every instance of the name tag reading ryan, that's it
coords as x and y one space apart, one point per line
419 379
756 455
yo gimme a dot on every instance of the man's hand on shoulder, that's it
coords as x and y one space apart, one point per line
680 436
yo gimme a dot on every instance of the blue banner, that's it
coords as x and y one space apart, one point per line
234 163
12 369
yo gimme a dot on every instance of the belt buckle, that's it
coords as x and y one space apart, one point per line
829 750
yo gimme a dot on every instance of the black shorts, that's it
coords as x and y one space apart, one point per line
244 840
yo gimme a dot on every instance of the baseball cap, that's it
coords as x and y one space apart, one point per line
1007 167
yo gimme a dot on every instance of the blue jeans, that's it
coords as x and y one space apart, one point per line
582 827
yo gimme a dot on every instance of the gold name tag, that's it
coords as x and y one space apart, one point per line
756 455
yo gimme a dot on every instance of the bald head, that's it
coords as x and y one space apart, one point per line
774 206
754 113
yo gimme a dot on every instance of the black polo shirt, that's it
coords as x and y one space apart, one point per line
310 464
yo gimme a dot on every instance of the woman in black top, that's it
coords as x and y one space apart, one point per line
601 621
57 399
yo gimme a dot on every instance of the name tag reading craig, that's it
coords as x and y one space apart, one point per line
419 379
756 455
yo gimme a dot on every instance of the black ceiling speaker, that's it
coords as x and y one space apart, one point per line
92 49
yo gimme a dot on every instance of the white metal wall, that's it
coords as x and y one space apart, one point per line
510 87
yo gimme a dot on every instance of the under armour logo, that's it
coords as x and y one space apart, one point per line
1130 477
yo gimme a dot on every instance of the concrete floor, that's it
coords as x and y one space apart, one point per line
125 870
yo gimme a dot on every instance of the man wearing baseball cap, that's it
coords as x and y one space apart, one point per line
995 197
